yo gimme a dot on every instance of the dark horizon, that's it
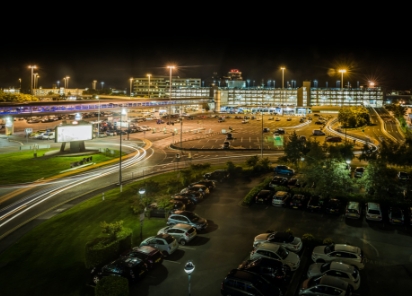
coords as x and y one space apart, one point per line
116 64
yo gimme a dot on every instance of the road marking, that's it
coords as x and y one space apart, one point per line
172 261
373 247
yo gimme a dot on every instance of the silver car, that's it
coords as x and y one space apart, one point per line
276 252
286 239
325 285
166 243
346 272
339 252
183 233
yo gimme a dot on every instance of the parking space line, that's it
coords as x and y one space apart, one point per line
176 262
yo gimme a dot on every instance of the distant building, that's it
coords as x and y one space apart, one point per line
159 86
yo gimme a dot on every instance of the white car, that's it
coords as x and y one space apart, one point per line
276 252
278 199
183 233
286 239
339 252
325 286
166 243
344 271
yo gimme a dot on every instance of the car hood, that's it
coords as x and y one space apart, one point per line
319 250
292 258
162 230
261 237
314 269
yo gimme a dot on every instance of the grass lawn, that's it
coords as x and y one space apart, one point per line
50 259
22 167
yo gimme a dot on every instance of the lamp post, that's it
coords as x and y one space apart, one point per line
189 268
102 83
67 81
98 119
170 87
283 84
94 84
20 83
341 71
31 80
120 157
131 80
149 75
36 79
141 192
261 142
58 83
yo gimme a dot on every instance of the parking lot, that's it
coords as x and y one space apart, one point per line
232 227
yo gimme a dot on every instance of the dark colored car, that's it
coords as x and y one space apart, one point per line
396 216
184 200
264 196
148 254
295 182
278 181
273 270
219 175
279 131
242 282
299 201
229 136
211 184
203 189
284 170
160 212
315 203
333 206
194 196
319 122
131 268
333 139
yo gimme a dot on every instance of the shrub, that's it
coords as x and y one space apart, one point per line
102 250
247 200
112 286
327 241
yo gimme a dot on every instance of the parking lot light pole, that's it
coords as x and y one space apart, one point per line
141 192
98 119
189 268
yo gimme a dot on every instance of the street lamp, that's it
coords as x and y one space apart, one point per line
149 75
170 87
283 85
120 157
31 80
131 80
341 71
36 79
189 268
141 192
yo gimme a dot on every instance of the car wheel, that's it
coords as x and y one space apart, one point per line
165 254
320 261
182 242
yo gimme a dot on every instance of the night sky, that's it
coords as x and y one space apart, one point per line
115 63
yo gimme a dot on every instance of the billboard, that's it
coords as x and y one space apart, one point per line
71 133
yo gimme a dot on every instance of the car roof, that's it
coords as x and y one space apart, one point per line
342 267
146 249
373 205
181 226
334 282
353 205
268 246
162 235
347 248
242 274
281 193
282 235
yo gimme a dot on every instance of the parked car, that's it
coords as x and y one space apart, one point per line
198 188
219 175
333 139
295 182
229 136
226 145
396 216
278 181
155 210
183 233
333 206
358 172
318 132
403 176
166 243
276 252
131 268
316 203
281 198
187 217
283 238
194 196
264 196
320 122
339 252
245 121
148 254
325 285
299 201
242 282
279 131
373 211
353 210
211 184
189 204
266 129
344 271
284 170
273 270
289 119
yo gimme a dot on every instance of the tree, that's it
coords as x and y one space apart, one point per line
295 149
252 161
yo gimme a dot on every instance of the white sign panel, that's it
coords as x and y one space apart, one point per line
71 133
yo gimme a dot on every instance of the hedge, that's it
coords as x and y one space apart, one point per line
112 286
99 251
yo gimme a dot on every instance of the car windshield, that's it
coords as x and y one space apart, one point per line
325 267
169 239
329 248
375 212
192 216
282 252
